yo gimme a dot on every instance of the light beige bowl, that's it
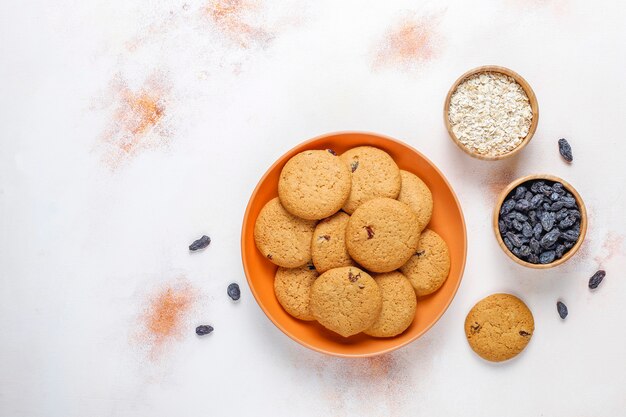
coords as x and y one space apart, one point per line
525 86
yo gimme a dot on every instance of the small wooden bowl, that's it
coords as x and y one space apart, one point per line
521 81
581 207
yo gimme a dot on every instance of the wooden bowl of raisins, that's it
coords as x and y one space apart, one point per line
540 221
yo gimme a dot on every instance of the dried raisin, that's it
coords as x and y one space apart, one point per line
565 150
201 243
233 291
562 309
547 257
203 329
550 238
596 279
507 207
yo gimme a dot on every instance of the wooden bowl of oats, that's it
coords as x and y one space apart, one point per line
491 112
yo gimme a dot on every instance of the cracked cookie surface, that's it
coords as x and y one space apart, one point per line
292 287
282 237
429 266
314 184
374 174
399 303
416 194
382 234
328 247
499 327
345 300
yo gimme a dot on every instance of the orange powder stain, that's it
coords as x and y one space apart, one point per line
497 180
164 318
239 21
612 247
137 121
381 384
409 44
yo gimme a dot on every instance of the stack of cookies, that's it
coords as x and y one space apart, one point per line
349 236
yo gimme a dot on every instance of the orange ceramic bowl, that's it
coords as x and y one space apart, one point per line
447 221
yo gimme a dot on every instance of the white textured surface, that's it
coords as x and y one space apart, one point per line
81 245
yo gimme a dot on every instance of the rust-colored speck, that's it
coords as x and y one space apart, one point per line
409 44
240 21
138 120
164 317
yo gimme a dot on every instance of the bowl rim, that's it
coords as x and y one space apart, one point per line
247 272
534 105
583 219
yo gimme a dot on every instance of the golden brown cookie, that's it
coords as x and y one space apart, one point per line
345 300
499 327
374 174
382 234
282 237
292 287
328 247
399 304
314 184
416 194
429 266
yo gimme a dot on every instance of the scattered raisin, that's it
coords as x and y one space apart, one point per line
420 253
562 309
370 232
565 150
204 329
269 256
596 279
201 243
354 165
233 291
332 152
524 333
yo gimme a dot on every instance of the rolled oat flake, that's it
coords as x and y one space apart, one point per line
490 114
